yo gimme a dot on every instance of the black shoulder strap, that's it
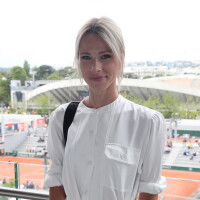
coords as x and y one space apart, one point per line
68 118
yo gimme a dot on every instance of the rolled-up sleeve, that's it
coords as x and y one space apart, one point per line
151 180
56 148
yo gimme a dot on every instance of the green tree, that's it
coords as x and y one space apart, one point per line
44 102
4 74
44 71
18 73
148 76
4 92
54 76
5 88
132 97
170 105
189 109
159 75
35 69
130 75
27 68
10 184
68 72
152 102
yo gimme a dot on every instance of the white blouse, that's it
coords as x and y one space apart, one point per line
112 152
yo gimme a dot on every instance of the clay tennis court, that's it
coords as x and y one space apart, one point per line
36 175
30 169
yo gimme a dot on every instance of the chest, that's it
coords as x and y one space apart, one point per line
94 132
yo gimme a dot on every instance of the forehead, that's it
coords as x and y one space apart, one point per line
93 42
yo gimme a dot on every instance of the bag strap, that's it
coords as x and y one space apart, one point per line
68 118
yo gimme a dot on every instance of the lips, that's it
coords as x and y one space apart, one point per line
97 78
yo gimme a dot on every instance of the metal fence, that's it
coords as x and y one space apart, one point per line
26 181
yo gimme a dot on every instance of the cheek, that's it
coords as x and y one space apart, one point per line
82 71
119 69
83 66
116 69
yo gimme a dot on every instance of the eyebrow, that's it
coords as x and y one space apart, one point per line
86 53
109 51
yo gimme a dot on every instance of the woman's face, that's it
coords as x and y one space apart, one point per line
98 65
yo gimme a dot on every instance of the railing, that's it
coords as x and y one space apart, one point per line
174 197
19 193
19 177
42 195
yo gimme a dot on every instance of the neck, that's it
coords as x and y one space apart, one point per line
100 99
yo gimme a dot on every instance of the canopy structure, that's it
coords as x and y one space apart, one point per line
73 90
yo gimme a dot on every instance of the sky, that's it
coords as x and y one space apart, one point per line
44 31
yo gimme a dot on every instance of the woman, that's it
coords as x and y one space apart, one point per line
114 147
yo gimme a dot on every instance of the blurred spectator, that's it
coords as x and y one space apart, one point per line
26 184
1 182
199 142
2 151
31 186
4 181
169 143
29 132
190 145
41 139
184 141
186 153
22 186
33 149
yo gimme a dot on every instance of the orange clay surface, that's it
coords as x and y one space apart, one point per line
30 173
180 140
36 175
179 187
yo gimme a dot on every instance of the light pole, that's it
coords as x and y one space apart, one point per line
2 122
45 164
175 131
48 104
33 76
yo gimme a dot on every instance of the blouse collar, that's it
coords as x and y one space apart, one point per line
105 108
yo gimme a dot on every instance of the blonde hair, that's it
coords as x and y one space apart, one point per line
109 32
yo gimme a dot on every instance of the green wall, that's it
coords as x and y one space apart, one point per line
191 133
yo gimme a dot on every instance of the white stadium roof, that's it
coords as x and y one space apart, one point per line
69 90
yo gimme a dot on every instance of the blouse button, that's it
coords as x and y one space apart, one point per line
123 156
89 162
86 192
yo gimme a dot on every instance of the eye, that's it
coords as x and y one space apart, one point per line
85 57
106 56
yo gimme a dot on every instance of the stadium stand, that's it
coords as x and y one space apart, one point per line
176 157
197 84
35 144
190 81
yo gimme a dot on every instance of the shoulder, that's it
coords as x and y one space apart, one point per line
58 114
141 112
56 119
60 110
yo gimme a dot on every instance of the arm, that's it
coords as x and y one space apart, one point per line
151 181
57 193
56 149
146 196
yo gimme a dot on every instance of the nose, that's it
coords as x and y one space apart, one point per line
96 65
